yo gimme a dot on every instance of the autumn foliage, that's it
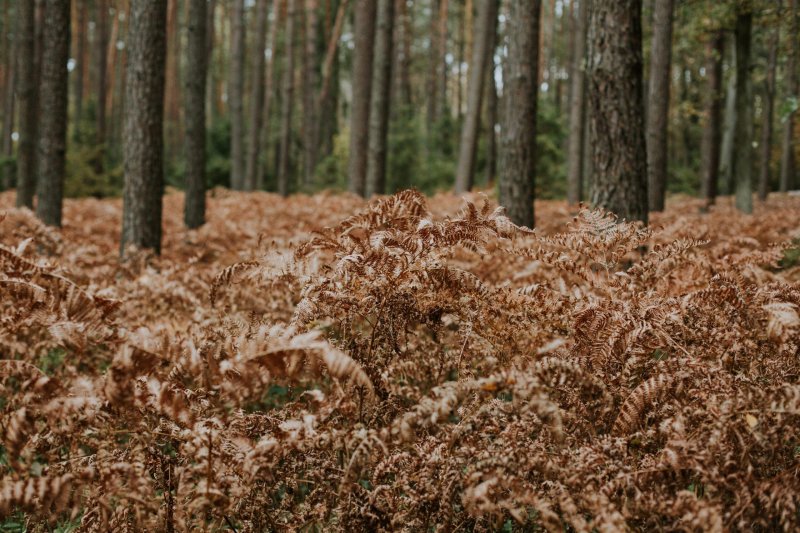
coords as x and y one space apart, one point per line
411 364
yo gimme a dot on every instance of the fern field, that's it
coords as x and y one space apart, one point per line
408 364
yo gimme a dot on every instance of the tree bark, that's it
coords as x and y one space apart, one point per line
195 114
144 126
491 112
310 82
518 138
79 72
787 180
769 105
726 163
53 101
658 103
257 97
577 107
284 163
28 101
712 133
403 55
487 13
743 159
380 99
617 108
9 105
236 95
268 89
362 89
101 49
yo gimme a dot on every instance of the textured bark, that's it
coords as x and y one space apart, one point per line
658 103
743 159
310 82
362 86
79 73
9 107
380 99
53 101
143 126
712 132
729 132
287 97
787 180
101 51
616 119
518 139
485 26
491 113
767 114
28 101
236 95
257 97
577 106
195 113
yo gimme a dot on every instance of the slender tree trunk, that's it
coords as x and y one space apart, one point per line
403 55
787 180
28 98
487 13
658 103
491 112
172 99
331 54
616 103
9 104
743 161
284 163
257 97
362 88
726 164
79 72
577 109
328 100
518 139
380 99
101 49
712 132
143 146
268 89
769 105
195 113
310 82
441 64
236 95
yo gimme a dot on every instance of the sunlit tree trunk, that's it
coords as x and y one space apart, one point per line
658 103
195 114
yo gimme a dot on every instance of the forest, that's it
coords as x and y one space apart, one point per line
399 265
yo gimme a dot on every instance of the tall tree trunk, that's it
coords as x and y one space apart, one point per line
268 89
331 55
743 161
79 72
658 104
328 100
53 101
487 13
787 180
403 55
769 105
441 65
28 98
310 82
577 107
726 165
144 126
362 87
172 99
195 114
236 95
284 163
257 97
491 111
9 105
380 99
101 49
518 139
712 132
616 104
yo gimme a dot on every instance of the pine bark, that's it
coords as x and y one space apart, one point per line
767 114
79 72
518 140
487 13
787 180
712 132
658 103
310 83
257 97
362 90
577 107
195 114
380 99
287 97
726 164
236 95
491 113
144 126
28 101
743 159
53 102
616 102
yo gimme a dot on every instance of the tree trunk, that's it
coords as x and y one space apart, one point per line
143 145
277 8
658 104
284 164
328 100
712 133
28 101
769 105
787 180
257 97
236 95
616 104
9 105
101 49
441 64
577 109
518 139
743 160
172 98
487 13
79 72
403 54
195 114
491 112
310 82
362 86
380 99
726 163
53 101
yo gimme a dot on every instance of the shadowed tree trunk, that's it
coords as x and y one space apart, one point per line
101 49
577 107
712 132
491 112
143 145
79 72
485 26
518 138
257 97
328 99
787 148
616 104
195 114
269 89
284 164
403 55
743 159
380 99
769 105
236 95
310 82
658 104
53 100
9 105
726 157
28 101
362 87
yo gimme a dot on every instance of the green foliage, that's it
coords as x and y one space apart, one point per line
331 172
551 138
82 178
